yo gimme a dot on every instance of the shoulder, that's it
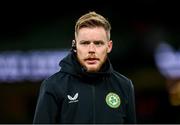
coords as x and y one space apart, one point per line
52 79
123 80
52 82
121 77
124 84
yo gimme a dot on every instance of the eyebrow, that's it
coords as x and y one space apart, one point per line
91 41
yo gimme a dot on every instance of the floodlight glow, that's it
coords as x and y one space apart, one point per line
168 61
32 65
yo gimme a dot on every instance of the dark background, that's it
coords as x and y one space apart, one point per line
137 27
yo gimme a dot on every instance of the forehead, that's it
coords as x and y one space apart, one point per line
96 33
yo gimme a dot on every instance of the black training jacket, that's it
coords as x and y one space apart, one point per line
74 96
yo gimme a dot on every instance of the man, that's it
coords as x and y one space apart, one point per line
87 89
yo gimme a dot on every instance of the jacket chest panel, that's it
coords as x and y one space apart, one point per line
95 102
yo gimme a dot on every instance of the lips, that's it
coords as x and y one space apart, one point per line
91 60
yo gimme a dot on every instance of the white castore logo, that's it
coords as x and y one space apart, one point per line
73 99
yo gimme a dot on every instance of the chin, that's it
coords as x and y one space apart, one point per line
92 69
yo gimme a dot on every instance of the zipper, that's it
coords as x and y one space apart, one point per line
94 107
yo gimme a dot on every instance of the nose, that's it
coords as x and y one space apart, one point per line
92 48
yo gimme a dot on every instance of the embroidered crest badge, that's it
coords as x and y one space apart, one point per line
113 100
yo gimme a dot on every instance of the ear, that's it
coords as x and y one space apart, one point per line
74 45
110 45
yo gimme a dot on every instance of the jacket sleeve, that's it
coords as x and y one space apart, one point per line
131 112
47 108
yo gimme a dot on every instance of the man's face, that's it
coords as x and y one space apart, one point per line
92 47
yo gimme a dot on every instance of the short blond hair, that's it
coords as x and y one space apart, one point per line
91 20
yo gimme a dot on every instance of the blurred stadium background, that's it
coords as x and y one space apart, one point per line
35 36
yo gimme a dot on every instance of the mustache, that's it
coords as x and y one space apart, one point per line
91 57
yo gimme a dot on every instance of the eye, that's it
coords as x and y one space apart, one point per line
85 43
98 43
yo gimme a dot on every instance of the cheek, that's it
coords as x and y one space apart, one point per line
80 54
103 54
